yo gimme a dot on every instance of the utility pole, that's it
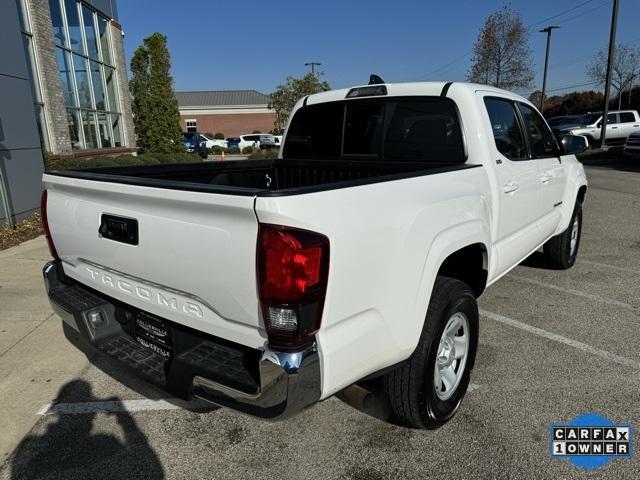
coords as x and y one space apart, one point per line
607 82
313 66
546 63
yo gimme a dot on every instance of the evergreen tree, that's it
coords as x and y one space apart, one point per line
155 108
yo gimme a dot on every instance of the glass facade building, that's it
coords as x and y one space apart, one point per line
87 71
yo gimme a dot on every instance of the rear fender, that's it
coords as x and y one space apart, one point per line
444 244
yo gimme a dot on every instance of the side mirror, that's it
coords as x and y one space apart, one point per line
599 125
574 144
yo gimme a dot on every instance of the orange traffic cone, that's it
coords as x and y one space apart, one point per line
222 155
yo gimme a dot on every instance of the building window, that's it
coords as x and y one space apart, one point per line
32 65
87 73
192 126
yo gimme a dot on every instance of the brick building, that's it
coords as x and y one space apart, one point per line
231 112
64 88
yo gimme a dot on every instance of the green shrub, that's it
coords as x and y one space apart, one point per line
247 150
126 160
219 136
256 131
234 150
149 158
263 154
216 150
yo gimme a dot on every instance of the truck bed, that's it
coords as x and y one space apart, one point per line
262 177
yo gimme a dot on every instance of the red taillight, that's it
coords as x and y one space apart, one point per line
45 225
293 266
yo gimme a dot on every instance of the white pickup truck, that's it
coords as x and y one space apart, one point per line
266 286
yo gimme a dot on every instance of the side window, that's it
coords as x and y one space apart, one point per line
612 118
541 140
627 117
506 129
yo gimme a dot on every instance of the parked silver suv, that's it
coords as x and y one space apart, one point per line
620 124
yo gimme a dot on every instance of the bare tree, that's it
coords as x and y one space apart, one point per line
625 68
501 55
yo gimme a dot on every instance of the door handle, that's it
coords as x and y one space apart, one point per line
613 128
510 187
545 177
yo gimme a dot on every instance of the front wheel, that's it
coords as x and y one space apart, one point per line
427 391
562 250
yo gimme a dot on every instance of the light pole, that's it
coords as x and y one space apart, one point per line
313 66
546 63
607 82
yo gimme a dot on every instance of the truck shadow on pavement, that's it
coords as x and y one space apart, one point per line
71 448
123 375
620 164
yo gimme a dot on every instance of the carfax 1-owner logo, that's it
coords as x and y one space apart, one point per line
591 440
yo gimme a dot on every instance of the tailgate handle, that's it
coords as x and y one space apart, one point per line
119 229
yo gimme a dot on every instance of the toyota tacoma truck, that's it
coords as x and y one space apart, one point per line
269 285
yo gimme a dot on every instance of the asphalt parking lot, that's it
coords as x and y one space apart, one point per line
553 344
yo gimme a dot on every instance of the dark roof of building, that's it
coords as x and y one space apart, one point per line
221 98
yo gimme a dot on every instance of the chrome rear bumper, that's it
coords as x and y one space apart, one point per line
267 384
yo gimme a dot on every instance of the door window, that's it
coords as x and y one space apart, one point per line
627 117
541 140
506 128
612 118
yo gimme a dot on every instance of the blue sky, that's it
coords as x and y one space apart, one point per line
255 45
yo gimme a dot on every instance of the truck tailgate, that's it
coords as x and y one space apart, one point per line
194 263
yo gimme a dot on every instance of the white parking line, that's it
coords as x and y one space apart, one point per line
119 406
612 357
472 387
571 291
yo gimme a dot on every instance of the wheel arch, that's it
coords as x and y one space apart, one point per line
582 192
451 253
469 265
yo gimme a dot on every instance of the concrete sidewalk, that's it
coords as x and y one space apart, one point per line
35 358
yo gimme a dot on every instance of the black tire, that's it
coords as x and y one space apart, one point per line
411 389
558 248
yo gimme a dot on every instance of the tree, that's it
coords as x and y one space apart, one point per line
155 109
501 55
624 72
286 96
572 103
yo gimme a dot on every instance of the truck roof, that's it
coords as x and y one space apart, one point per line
411 88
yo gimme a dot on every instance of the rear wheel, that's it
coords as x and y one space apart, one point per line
427 391
562 250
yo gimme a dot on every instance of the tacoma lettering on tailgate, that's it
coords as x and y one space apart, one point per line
146 293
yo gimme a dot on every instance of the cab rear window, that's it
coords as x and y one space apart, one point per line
424 129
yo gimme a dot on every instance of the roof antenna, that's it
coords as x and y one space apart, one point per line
375 80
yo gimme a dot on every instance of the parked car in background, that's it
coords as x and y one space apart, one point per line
190 141
257 140
562 120
620 124
632 145
202 150
211 142
233 142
